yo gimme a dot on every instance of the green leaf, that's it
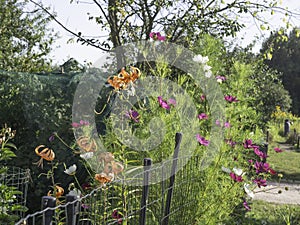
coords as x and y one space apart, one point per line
11 145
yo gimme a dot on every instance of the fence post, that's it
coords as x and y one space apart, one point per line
73 209
267 138
298 142
265 150
178 138
147 167
48 201
295 136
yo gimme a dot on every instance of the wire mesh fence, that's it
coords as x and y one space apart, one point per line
117 202
170 201
17 178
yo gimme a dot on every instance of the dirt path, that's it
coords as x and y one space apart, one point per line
279 193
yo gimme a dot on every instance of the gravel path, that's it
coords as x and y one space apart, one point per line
279 193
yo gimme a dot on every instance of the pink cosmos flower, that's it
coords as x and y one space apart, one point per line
52 137
166 104
230 142
260 153
227 124
202 97
163 103
237 178
260 182
271 171
80 124
75 125
202 140
116 215
220 79
132 114
85 206
278 150
248 144
156 36
203 116
247 207
230 98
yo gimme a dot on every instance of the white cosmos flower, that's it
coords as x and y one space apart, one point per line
249 192
75 192
238 171
87 155
71 170
226 170
208 73
206 68
200 59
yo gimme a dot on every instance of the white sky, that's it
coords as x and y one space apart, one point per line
74 16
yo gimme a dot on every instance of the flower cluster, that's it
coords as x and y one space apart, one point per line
203 61
111 168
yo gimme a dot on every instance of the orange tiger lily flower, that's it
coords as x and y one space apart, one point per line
46 153
104 178
87 144
123 78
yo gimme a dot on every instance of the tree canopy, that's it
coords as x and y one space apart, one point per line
285 59
24 37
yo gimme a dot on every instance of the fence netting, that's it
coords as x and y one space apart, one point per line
120 203
18 179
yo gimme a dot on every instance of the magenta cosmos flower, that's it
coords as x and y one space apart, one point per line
133 115
237 178
247 207
249 144
117 216
230 98
260 153
261 167
202 97
166 104
156 36
203 116
278 150
260 182
202 140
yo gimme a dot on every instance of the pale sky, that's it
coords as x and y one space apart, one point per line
74 16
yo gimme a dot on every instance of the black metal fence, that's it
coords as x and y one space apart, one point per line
117 203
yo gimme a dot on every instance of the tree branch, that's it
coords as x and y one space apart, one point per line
65 28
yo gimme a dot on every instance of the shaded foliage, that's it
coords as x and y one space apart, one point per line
285 59
24 37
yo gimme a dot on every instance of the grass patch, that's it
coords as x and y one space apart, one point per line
272 214
287 163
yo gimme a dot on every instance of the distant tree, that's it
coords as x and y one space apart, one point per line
182 21
285 58
24 37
